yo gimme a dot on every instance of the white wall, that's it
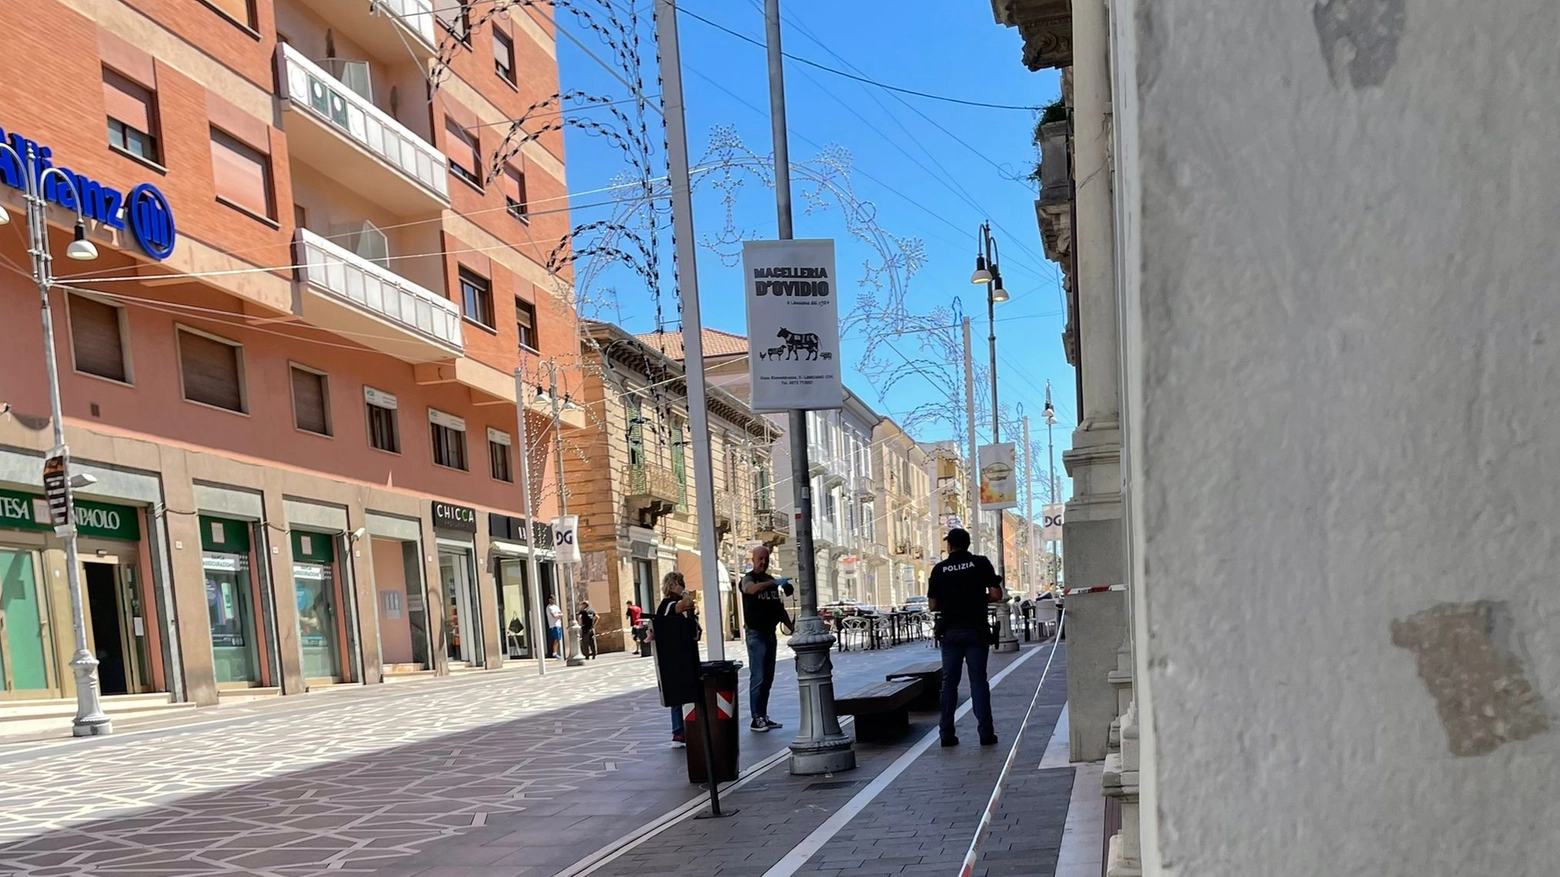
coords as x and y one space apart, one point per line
1343 447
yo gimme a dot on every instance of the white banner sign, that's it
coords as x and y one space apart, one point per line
998 477
1051 530
566 544
793 325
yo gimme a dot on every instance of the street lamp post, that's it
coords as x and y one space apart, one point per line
1050 448
90 719
987 272
571 599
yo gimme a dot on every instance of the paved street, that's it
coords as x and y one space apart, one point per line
501 774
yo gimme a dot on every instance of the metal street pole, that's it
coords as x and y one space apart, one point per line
533 579
971 509
820 746
575 658
1055 494
1006 641
1029 513
90 720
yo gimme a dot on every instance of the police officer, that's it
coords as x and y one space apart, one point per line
959 590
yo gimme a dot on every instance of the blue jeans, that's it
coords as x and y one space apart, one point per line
960 647
677 720
761 670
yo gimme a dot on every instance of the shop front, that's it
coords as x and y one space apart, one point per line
404 635
455 528
321 621
35 616
517 618
233 601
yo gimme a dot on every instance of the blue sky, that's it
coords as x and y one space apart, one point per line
924 184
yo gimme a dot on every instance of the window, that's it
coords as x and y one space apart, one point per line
679 460
449 439
455 16
504 56
498 456
462 150
311 400
514 194
238 10
383 431
212 370
242 175
636 433
525 324
476 298
97 338
132 116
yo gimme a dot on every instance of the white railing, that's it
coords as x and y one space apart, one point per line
346 276
416 16
312 90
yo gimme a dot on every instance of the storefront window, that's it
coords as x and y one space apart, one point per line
514 608
23 650
228 605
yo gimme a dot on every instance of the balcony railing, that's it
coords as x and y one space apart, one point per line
347 277
770 521
311 90
650 481
416 16
724 513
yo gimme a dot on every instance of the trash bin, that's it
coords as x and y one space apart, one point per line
719 682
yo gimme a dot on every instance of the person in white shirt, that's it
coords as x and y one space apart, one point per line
554 629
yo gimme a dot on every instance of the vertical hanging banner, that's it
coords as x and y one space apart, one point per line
1052 514
998 477
565 534
793 325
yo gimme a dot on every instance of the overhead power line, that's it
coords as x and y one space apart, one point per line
862 79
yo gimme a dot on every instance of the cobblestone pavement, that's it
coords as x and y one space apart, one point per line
500 774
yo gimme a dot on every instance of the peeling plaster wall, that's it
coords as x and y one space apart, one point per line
1348 435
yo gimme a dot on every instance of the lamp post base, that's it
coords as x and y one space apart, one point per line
820 746
90 719
1006 640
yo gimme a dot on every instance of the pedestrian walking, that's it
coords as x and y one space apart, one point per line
959 590
554 629
588 630
636 624
677 600
762 610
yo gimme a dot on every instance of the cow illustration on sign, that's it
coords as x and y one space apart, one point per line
796 342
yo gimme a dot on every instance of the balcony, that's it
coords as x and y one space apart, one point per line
651 492
346 293
334 129
1044 25
724 516
772 527
390 30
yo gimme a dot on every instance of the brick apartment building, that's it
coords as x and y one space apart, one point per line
302 418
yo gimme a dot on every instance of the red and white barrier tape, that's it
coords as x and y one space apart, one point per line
1097 589
973 855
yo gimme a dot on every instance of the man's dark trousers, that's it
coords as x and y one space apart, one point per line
761 670
960 647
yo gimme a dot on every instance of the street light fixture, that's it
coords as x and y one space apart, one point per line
982 273
90 719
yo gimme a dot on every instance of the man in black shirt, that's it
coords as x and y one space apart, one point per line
959 589
762 609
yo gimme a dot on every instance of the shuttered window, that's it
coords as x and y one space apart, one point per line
503 55
462 150
131 116
212 371
311 401
97 338
448 435
525 324
242 174
240 11
455 16
476 298
514 194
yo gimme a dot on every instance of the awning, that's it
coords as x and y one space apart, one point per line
725 576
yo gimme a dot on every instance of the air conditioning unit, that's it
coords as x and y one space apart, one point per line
352 74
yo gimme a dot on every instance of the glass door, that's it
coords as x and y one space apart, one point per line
514 608
317 614
232 617
24 633
459 616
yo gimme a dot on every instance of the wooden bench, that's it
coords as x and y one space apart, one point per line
930 674
882 709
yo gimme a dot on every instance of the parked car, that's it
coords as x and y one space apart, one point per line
916 603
